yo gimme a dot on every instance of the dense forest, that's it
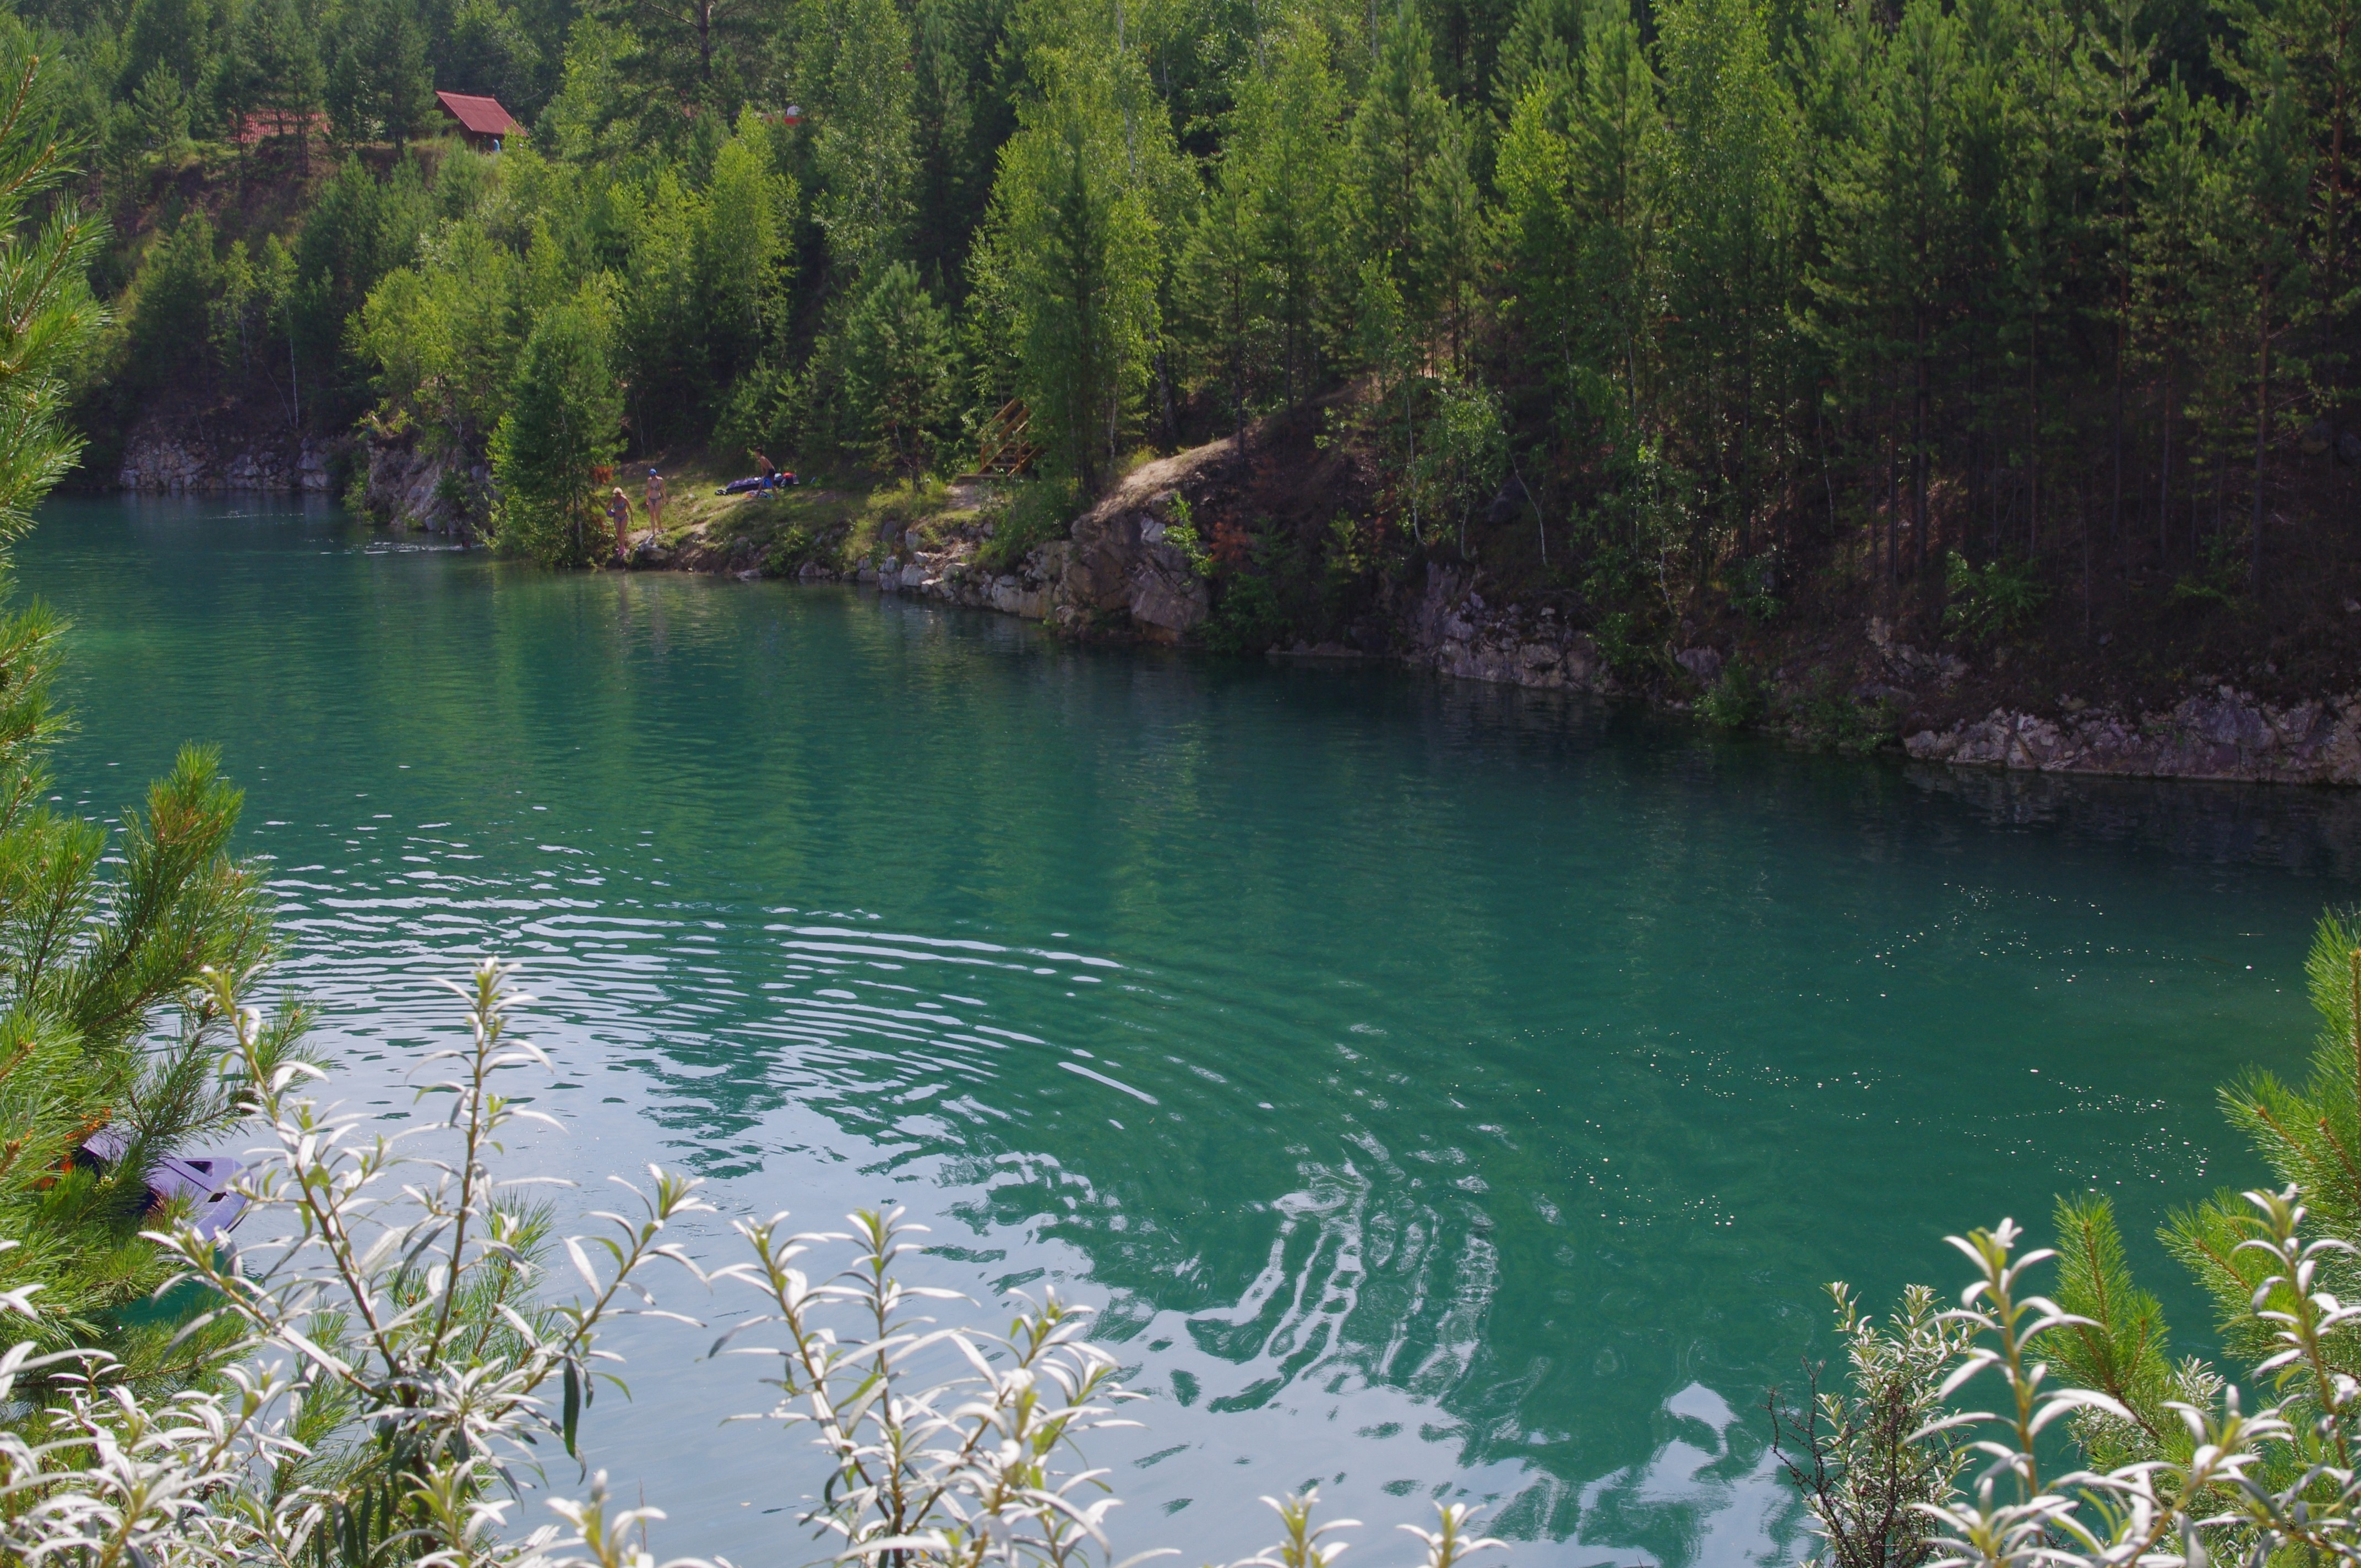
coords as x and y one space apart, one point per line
1994 311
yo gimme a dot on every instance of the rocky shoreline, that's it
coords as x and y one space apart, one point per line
1118 575
2227 734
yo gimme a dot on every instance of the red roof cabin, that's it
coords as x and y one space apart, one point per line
482 121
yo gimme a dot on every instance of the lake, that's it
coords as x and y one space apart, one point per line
1443 1091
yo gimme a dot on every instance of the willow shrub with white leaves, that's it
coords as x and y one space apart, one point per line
397 1370
2058 1430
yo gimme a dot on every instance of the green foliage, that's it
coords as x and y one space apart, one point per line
99 933
2217 578
1034 512
1464 452
2120 1347
1754 585
271 69
854 70
1180 532
155 132
442 336
1739 698
1857 1454
562 423
44 259
2305 1133
1862 281
1247 617
1263 269
1991 601
1825 715
1075 253
2160 1450
381 82
897 369
176 289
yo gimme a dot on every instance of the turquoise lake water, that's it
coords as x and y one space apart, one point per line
1443 1090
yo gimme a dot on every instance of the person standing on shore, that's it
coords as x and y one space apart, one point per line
656 503
619 509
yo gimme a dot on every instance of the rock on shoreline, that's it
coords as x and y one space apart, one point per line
1454 632
1117 577
2227 734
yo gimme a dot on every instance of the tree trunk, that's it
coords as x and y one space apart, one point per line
2164 478
1922 398
2115 505
2262 439
2033 444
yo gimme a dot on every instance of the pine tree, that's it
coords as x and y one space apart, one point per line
1884 285
2119 94
1223 285
562 425
1544 41
1448 238
699 56
2168 253
90 958
487 50
272 70
175 35
854 76
739 258
1289 134
380 82
1078 256
2049 205
953 182
2313 49
1730 172
898 344
1396 131
2257 208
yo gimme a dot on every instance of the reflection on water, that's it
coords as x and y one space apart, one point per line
1443 1090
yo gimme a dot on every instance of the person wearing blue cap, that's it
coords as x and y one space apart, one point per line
655 504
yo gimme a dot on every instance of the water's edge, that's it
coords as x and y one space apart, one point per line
1118 578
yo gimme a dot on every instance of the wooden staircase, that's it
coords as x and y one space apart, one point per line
1005 447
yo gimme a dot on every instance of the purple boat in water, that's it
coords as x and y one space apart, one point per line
216 1207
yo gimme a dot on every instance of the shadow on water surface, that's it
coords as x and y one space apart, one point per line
1441 1087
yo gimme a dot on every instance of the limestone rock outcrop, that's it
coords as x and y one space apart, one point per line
2225 734
1452 630
413 488
198 457
1116 575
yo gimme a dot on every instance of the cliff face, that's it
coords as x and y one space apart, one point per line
196 456
411 488
203 457
1115 575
